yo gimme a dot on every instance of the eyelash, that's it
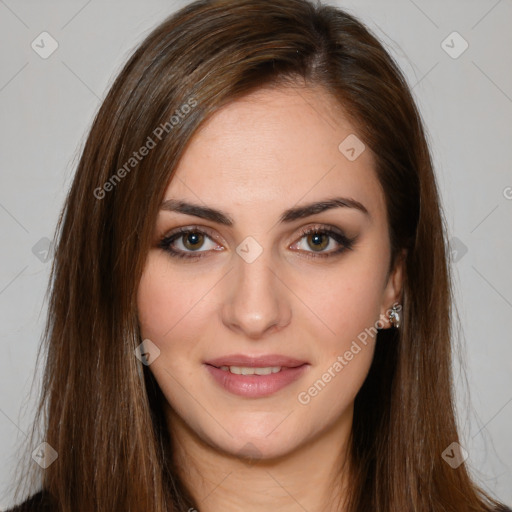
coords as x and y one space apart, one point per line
340 238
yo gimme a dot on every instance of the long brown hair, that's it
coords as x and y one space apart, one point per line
100 407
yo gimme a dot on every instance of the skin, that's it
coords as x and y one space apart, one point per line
273 150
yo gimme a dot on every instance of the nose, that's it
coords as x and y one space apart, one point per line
256 303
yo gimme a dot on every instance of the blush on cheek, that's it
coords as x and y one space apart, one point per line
159 308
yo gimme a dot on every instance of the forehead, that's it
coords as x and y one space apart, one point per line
274 148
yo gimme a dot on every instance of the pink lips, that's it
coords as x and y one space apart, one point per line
255 361
256 386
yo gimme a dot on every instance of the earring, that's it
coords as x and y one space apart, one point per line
394 315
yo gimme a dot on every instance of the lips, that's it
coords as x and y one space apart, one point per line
270 360
236 380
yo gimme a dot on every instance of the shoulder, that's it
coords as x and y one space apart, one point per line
39 502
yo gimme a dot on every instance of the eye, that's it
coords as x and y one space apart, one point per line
320 238
184 242
192 242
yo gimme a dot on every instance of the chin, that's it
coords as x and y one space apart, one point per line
250 450
257 439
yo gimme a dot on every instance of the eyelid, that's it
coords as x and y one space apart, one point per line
190 228
320 227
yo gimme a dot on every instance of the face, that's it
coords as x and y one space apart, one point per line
263 284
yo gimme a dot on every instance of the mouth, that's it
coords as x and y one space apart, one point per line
240 364
255 376
246 370
257 371
256 361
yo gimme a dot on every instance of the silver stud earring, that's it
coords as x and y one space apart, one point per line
394 315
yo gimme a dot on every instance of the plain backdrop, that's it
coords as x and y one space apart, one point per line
456 56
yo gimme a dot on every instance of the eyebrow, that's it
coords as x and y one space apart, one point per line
290 215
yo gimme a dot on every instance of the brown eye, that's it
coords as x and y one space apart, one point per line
318 241
191 243
193 240
322 242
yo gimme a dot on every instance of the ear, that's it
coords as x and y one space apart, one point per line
393 290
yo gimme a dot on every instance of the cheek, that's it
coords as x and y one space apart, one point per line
349 305
170 309
166 299
350 301
345 356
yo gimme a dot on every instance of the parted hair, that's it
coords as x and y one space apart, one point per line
99 408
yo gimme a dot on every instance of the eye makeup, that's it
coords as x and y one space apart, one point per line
315 235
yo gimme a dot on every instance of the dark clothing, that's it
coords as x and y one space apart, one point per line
40 502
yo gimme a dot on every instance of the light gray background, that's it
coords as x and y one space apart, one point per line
47 106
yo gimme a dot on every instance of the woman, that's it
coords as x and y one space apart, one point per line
250 299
